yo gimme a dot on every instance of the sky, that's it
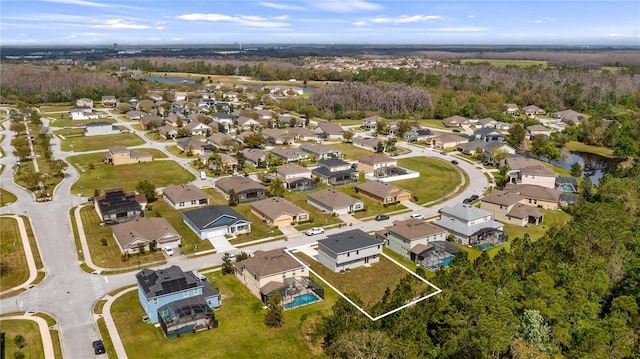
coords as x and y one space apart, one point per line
420 22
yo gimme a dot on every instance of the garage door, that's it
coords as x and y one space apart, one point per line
216 233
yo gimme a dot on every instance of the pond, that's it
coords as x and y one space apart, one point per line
593 165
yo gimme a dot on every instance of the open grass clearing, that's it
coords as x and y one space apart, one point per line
13 254
349 151
241 334
93 143
61 122
6 197
31 333
106 339
103 176
437 178
504 63
582 147
371 208
190 241
109 256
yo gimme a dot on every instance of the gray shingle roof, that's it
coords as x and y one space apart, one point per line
203 218
349 241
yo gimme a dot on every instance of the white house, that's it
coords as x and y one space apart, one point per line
100 128
348 250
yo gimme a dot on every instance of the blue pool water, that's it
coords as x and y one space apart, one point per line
568 188
446 261
485 246
301 300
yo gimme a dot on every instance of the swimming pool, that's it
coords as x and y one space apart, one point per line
568 188
301 300
485 246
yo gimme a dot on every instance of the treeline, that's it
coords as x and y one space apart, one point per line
575 293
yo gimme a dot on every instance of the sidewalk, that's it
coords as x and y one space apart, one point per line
45 334
111 325
31 263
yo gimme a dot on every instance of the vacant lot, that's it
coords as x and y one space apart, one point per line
96 175
92 143
13 254
437 177
31 333
59 121
241 334
351 152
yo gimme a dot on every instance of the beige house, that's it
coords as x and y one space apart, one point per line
369 164
405 235
109 101
368 143
448 141
538 130
269 269
120 155
508 207
184 196
456 121
84 102
143 231
530 171
537 196
532 111
382 192
277 211
330 200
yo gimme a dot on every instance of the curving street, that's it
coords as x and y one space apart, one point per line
68 294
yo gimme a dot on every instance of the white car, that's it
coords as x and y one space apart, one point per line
313 231
168 251
417 216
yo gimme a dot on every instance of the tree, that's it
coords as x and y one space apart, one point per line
533 328
234 200
153 246
381 127
35 117
403 127
17 127
19 341
625 147
276 188
347 136
4 268
57 167
274 317
255 140
147 189
22 151
32 179
516 136
227 266
576 170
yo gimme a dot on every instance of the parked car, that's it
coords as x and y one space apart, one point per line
394 155
455 130
467 200
382 217
98 347
454 162
474 197
417 216
168 250
313 231
90 199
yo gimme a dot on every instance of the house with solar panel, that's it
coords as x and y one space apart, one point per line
181 302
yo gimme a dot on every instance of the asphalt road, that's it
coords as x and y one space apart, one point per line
69 294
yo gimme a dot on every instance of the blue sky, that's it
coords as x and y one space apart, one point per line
144 22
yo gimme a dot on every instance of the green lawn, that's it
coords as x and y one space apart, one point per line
13 254
108 256
31 333
241 333
178 152
102 176
557 169
349 151
318 218
581 147
6 197
190 241
67 122
432 123
504 63
92 143
436 178
371 208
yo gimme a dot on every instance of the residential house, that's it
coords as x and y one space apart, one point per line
382 192
196 128
221 140
304 134
512 109
508 207
223 119
120 155
135 115
219 160
151 121
100 128
489 134
456 121
320 151
180 96
530 171
448 141
117 206
538 130
537 196
418 134
254 156
533 111
216 221
290 154
181 196
296 178
141 232
371 122
473 147
291 121
569 116
329 130
197 147
487 122
84 102
245 188
335 172
240 137
159 288
374 163
493 148
350 249
276 136
275 270
109 101
373 144
403 236
174 120
83 113
247 123
332 201
145 105
278 212
168 132
470 225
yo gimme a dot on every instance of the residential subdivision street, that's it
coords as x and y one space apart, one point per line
68 294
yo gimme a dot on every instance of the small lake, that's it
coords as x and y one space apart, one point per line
594 166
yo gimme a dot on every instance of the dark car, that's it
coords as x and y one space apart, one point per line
454 162
90 199
382 217
456 131
474 197
467 200
98 347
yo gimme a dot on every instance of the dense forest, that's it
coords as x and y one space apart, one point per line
574 293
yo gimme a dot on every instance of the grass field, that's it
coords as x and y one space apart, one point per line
102 176
371 208
349 151
67 122
581 147
6 197
13 254
190 241
241 334
31 333
436 177
503 63
92 143
108 256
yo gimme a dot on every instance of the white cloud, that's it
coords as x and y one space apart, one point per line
251 21
121 24
471 16
346 6
281 17
462 29
360 23
281 6
620 36
404 19
544 19
79 3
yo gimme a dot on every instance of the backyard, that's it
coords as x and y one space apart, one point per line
241 333
349 151
92 143
31 333
96 175
437 178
